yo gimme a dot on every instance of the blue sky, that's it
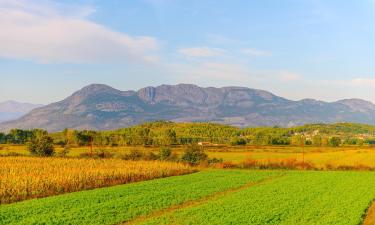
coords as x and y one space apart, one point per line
296 49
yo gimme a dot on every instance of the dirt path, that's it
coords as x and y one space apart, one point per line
200 201
370 215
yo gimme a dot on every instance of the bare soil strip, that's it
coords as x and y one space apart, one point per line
200 201
370 215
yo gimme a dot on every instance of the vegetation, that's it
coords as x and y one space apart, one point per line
211 197
296 198
30 177
126 202
161 133
194 154
41 144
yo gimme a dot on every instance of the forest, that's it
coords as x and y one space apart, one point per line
165 133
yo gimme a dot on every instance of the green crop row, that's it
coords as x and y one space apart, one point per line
125 202
304 198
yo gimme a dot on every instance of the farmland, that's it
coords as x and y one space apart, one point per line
211 197
297 198
29 177
319 156
125 202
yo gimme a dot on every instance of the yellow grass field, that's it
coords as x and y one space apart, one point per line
30 177
319 156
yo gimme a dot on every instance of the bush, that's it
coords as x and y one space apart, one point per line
194 154
41 146
334 141
165 153
238 141
214 161
134 155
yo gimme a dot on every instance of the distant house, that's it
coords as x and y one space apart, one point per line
206 143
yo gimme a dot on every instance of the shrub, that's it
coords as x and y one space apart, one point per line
334 141
134 154
214 161
194 154
41 145
165 153
238 141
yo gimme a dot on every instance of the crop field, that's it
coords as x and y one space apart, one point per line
125 202
211 197
319 156
30 177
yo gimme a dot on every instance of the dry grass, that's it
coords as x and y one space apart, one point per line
28 177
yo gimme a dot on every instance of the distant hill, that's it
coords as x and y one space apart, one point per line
102 107
11 110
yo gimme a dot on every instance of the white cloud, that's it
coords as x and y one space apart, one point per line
48 32
201 52
256 52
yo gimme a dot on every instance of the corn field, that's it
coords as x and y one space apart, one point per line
23 178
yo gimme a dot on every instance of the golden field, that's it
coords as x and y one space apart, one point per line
30 177
319 156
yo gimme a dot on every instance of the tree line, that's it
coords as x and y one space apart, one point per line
163 133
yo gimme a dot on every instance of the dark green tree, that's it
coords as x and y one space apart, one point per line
194 154
41 145
334 141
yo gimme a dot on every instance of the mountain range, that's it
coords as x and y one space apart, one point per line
102 107
11 110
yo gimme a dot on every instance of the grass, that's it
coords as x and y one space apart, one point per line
29 177
298 198
211 197
125 202
319 156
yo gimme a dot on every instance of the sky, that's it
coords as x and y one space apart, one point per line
292 48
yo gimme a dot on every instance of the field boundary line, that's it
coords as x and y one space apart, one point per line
200 201
369 215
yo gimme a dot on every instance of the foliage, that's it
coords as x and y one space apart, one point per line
194 154
125 202
41 144
163 133
134 155
295 198
165 153
335 141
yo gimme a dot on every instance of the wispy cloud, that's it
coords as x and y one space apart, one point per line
47 32
201 52
256 52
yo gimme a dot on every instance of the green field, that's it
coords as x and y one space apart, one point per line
125 202
211 197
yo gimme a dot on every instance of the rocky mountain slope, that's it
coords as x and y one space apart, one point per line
102 107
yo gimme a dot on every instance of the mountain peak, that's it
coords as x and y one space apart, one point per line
99 106
97 87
